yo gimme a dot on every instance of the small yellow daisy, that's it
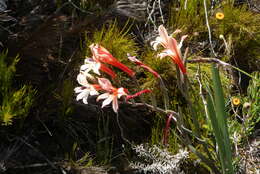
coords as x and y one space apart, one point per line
220 15
236 101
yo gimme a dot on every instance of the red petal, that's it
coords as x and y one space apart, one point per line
107 70
180 64
102 54
97 87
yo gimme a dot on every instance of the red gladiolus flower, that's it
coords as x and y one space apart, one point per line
112 94
172 48
101 54
141 64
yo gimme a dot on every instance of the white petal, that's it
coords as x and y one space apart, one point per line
96 68
166 52
121 92
102 96
107 101
85 100
93 92
78 89
115 104
163 33
81 78
155 44
182 39
162 55
83 94
133 58
85 67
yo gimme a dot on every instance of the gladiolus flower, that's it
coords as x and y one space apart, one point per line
139 63
100 54
111 95
172 48
86 89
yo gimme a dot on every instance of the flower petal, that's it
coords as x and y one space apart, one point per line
93 92
102 96
85 100
96 68
166 52
83 94
81 78
107 101
101 54
79 89
85 67
121 92
182 39
107 71
163 33
115 104
105 84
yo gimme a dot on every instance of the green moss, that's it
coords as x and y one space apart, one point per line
117 41
190 18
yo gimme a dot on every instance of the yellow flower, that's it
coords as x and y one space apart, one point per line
236 101
220 15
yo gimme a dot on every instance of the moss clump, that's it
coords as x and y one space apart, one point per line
117 41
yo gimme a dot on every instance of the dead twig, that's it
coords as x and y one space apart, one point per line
209 60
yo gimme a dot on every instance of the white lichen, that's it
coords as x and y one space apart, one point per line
157 160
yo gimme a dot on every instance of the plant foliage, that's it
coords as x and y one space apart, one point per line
15 103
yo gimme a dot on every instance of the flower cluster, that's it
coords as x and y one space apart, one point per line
101 60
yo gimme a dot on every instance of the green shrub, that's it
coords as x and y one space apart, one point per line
14 103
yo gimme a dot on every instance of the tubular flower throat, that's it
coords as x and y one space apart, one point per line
171 47
101 54
112 94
